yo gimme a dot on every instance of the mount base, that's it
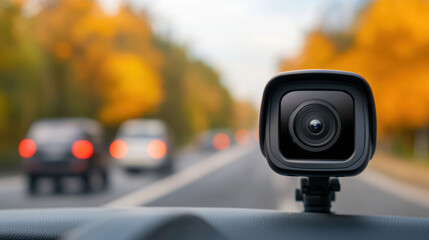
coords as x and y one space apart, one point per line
317 193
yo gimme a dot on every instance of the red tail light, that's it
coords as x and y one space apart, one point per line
82 149
27 148
242 136
221 141
156 149
118 149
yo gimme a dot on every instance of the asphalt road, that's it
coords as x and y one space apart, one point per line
237 177
13 193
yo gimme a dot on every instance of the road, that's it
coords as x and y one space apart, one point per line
237 177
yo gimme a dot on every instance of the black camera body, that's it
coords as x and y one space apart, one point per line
318 123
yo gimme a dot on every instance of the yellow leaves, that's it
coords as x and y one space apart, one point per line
244 114
80 5
130 88
203 94
4 110
201 100
63 50
58 22
396 27
19 3
111 56
318 50
96 25
82 61
208 103
199 119
390 48
408 97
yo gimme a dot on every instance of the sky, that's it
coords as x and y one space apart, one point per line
244 40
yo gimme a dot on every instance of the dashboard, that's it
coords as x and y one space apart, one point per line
202 223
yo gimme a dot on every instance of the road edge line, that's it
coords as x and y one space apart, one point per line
178 180
396 187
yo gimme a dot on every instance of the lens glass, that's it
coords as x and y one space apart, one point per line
315 125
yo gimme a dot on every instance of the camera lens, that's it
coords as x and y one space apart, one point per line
315 125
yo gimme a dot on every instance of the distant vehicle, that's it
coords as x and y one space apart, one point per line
143 144
56 148
215 139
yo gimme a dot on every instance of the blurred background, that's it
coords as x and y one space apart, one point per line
131 96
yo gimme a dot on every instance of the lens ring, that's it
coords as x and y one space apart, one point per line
322 138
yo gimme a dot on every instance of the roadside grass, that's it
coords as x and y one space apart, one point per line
413 171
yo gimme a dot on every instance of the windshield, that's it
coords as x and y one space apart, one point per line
142 129
45 133
170 94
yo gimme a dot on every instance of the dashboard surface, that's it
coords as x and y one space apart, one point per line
228 223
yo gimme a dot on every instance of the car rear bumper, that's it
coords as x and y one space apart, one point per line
70 167
141 162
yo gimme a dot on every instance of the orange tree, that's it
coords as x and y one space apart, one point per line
389 46
72 59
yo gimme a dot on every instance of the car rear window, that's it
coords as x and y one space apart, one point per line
45 133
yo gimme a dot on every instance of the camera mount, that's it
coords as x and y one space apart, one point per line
317 193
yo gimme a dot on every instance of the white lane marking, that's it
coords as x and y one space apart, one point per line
11 179
11 183
398 188
180 179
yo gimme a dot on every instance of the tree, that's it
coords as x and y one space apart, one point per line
390 48
105 66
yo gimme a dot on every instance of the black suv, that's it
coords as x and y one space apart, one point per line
56 148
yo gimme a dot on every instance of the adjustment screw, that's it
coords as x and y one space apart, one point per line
335 185
298 195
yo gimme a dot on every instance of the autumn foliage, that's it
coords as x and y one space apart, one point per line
110 60
70 58
389 46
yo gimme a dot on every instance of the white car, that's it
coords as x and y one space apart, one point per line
142 144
